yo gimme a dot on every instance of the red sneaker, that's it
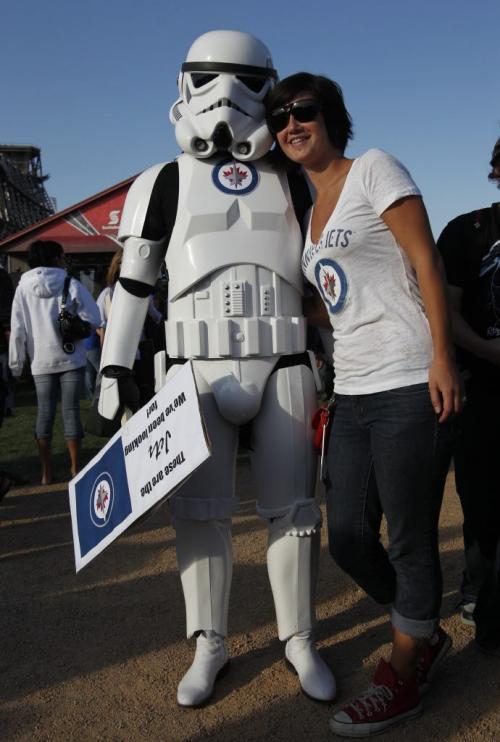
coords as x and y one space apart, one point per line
388 701
430 659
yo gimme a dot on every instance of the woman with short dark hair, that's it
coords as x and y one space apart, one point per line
322 91
45 254
370 254
35 333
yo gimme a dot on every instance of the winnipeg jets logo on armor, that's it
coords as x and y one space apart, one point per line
101 500
235 176
332 284
232 176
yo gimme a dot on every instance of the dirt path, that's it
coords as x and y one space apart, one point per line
97 656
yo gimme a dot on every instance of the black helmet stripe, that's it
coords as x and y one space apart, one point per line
235 69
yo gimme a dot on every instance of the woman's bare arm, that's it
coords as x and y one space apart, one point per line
407 219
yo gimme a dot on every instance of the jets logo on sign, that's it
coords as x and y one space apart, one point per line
231 176
101 500
332 284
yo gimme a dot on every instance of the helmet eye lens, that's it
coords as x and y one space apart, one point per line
199 79
254 83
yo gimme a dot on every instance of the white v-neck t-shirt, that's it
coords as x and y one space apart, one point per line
381 334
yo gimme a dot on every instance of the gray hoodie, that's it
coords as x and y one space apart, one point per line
34 326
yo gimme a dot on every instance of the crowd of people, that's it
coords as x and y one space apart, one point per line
33 344
402 407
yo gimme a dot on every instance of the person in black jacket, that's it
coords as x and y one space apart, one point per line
470 246
6 296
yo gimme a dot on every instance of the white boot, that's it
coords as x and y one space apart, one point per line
316 678
210 659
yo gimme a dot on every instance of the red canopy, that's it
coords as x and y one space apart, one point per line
90 226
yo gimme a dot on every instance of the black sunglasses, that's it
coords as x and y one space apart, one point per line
302 111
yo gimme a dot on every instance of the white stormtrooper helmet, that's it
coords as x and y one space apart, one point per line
222 86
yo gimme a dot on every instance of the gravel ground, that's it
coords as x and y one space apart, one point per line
97 656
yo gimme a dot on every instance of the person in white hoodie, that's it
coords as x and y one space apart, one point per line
35 333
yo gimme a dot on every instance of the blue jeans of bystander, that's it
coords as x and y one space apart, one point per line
47 391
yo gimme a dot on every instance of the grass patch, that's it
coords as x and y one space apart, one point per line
18 452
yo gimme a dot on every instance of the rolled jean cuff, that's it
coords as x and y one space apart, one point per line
414 627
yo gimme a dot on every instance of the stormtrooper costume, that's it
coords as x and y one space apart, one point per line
222 217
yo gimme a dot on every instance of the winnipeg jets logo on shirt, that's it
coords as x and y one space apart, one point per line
231 176
329 282
101 500
332 284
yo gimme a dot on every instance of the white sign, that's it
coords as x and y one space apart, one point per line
142 464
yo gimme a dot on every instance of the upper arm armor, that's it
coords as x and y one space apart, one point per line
151 205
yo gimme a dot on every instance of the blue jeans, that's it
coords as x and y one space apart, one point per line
388 455
47 391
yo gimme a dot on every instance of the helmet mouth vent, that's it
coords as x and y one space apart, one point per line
222 136
224 103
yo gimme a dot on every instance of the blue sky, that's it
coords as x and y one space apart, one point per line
91 83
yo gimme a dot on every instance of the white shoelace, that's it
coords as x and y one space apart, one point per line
375 699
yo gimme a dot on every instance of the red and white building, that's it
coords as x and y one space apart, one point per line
87 231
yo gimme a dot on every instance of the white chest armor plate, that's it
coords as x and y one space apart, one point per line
233 260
